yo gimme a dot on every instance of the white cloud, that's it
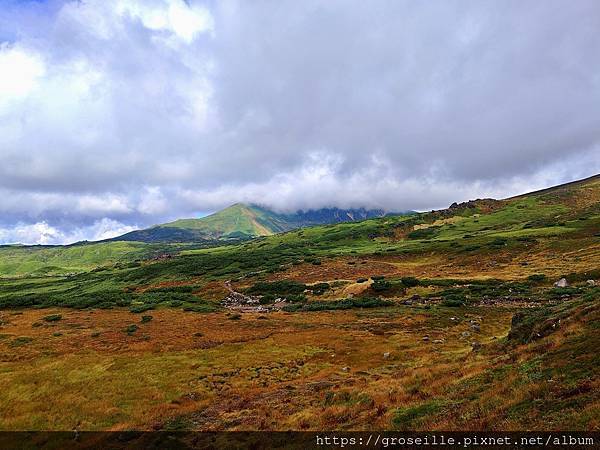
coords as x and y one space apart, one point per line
175 16
44 234
142 111
20 72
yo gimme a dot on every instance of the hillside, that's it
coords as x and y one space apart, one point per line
241 221
445 320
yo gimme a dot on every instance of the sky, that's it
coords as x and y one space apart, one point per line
120 114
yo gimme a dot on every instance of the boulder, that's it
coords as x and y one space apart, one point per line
562 283
591 283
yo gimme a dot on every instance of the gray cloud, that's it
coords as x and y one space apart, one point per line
138 111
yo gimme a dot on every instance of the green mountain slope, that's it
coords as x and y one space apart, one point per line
238 220
241 221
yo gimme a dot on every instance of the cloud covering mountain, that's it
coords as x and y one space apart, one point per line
123 113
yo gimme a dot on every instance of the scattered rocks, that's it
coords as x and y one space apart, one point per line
562 283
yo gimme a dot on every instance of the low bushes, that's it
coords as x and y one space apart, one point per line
348 303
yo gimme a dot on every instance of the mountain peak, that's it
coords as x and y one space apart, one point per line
242 221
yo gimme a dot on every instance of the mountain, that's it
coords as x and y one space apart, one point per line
484 298
242 221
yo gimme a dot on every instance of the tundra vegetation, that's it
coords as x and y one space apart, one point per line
445 320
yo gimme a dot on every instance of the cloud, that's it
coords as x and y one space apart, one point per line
44 234
146 111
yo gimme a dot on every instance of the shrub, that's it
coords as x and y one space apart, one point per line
53 318
410 281
537 277
146 319
362 280
348 303
299 298
423 233
235 317
454 303
141 308
381 285
319 288
131 328
21 340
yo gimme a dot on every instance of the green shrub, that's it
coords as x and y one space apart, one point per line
423 233
452 303
130 329
21 340
138 309
537 277
381 285
146 319
349 303
410 281
53 318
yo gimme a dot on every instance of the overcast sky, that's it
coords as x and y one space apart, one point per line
116 114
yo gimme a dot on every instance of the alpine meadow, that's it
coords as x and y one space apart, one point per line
374 220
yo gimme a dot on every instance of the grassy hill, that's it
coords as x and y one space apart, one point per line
555 232
241 221
238 220
445 320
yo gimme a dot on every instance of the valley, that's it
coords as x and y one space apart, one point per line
441 320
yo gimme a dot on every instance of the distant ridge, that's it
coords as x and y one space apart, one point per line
591 179
244 221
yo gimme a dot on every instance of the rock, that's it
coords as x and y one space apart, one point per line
438 341
453 319
386 355
346 369
562 283
425 338
475 327
465 334
475 345
407 302
590 283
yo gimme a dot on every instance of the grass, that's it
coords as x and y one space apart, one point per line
419 289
